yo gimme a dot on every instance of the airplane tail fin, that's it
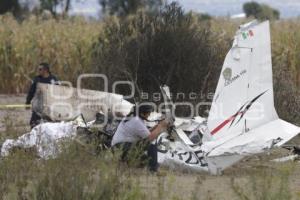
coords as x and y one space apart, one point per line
244 96
243 119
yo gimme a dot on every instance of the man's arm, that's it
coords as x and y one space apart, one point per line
159 128
31 91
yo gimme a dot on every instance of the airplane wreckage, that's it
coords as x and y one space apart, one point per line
209 145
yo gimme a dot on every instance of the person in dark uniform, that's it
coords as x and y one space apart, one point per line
44 76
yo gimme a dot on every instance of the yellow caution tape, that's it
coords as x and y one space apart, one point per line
15 106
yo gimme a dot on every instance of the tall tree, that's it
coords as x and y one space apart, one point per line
251 9
125 7
51 5
9 6
169 47
260 11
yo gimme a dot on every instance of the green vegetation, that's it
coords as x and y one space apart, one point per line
266 184
170 48
260 11
51 6
9 6
77 174
126 7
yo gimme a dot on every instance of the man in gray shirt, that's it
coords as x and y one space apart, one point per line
132 135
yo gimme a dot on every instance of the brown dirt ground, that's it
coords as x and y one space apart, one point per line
19 117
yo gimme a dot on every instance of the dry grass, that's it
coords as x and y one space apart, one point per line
77 174
66 45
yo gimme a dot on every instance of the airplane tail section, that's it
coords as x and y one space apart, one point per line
244 96
243 119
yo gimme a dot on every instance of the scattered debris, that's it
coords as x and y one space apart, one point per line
242 120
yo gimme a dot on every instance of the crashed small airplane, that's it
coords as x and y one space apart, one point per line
242 120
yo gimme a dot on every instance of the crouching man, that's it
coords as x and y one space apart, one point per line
134 138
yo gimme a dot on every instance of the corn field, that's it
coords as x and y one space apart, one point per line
66 45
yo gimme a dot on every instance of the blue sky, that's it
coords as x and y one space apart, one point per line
287 8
